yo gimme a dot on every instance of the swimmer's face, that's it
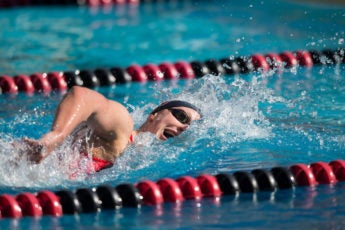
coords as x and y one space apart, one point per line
171 122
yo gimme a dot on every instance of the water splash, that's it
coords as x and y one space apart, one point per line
231 115
15 169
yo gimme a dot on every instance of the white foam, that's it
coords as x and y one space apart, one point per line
231 114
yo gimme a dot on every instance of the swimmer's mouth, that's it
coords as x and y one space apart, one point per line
168 134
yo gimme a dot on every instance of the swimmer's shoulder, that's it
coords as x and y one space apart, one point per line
120 122
120 112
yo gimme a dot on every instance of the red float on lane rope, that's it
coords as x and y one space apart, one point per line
323 173
153 72
150 192
93 2
133 2
259 62
169 71
57 81
137 73
304 58
9 207
185 70
289 59
209 185
40 83
189 187
50 203
303 175
8 85
119 1
24 84
338 167
170 190
29 204
106 2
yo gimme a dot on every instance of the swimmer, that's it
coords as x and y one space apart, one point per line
111 125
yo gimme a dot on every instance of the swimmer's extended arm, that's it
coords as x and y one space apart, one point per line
108 118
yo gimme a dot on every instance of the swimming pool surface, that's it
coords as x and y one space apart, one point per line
251 121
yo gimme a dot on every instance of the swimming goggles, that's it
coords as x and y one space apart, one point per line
181 116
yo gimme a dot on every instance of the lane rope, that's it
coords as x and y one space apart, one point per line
147 192
61 81
91 3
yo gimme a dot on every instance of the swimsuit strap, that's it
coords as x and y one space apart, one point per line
131 138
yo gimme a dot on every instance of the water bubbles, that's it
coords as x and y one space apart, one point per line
312 43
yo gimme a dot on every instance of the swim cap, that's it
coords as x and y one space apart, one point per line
175 103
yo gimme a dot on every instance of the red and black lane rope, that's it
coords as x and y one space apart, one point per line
18 3
15 3
106 197
60 81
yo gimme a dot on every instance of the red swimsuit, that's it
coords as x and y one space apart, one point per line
100 164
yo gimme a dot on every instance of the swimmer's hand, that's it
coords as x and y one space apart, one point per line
35 151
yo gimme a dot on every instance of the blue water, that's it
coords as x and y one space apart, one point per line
180 30
250 121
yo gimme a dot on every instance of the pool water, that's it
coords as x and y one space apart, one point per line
250 121
68 38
